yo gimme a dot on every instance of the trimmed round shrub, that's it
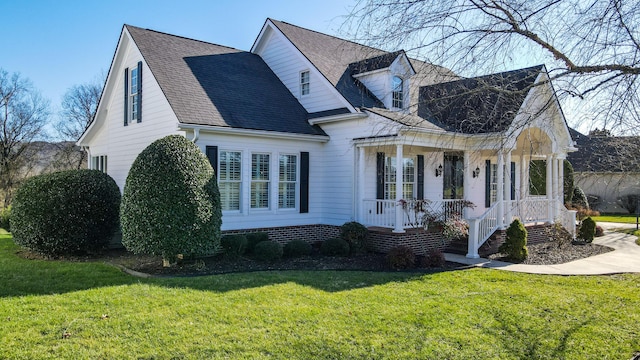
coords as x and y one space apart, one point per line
254 238
401 257
171 203
67 212
587 230
515 246
5 218
295 248
267 251
233 245
334 247
355 234
433 259
599 231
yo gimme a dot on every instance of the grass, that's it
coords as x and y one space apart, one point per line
90 310
625 219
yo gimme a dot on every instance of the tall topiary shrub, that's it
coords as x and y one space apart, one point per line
171 203
579 198
568 182
515 246
74 211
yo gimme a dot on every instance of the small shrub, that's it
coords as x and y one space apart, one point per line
401 257
587 230
355 234
255 238
584 212
455 228
5 218
267 251
599 231
233 245
433 259
66 212
515 246
334 247
295 248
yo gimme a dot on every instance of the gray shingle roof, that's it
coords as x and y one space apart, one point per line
208 84
605 153
485 104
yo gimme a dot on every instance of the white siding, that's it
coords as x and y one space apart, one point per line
120 143
287 63
379 84
273 217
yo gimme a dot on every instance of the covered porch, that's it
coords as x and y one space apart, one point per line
441 180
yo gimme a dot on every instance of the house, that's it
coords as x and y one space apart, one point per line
307 131
606 168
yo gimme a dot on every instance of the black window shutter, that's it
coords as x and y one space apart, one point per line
380 175
420 192
126 96
513 180
212 155
304 182
487 184
139 91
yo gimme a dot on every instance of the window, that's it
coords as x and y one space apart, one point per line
305 88
259 181
397 92
493 184
133 95
408 178
287 181
230 179
99 163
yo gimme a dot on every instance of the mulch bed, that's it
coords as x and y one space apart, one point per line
553 253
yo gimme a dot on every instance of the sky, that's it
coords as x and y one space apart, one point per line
61 43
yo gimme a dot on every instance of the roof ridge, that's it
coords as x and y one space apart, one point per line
539 67
180 37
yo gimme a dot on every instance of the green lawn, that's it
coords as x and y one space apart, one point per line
55 310
625 219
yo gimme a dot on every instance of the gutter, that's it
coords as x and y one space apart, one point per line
336 118
249 132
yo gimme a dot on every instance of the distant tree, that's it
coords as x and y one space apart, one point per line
79 106
592 48
23 114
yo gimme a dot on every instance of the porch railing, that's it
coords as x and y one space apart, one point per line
382 213
529 211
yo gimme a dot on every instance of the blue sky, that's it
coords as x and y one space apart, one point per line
58 44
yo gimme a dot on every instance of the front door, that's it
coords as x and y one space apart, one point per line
453 176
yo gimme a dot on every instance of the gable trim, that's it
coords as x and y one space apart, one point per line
336 118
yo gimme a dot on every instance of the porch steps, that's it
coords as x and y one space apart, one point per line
460 246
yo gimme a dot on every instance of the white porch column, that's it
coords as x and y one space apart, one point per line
524 179
360 192
549 189
507 188
466 176
555 186
399 211
500 192
561 180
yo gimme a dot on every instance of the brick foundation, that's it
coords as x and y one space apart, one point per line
282 235
536 234
382 240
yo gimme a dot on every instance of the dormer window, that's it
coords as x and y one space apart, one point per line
397 92
305 87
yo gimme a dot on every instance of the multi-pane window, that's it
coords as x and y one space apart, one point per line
259 181
453 177
230 179
493 184
408 178
288 177
305 88
397 92
133 95
99 163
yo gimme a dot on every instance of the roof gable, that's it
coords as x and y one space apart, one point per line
615 154
209 84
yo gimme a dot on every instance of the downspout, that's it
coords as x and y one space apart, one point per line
86 149
196 135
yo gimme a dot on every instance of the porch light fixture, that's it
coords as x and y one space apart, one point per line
476 172
439 170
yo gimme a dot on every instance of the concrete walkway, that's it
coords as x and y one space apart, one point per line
624 259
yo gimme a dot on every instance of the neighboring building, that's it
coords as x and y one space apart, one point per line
307 131
606 168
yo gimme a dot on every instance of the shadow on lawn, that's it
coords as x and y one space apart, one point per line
21 277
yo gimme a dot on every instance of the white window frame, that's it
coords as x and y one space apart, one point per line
397 94
255 181
409 180
99 162
305 83
224 180
133 96
283 193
